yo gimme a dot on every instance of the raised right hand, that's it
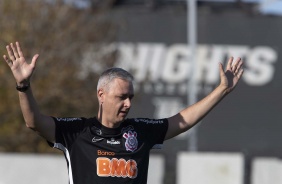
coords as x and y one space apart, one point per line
21 70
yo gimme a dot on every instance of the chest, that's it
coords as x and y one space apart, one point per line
119 156
129 143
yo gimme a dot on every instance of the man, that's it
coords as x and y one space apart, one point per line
110 148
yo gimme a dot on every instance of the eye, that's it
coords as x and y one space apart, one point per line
123 97
131 96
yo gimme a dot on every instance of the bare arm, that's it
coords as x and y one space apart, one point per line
191 115
22 72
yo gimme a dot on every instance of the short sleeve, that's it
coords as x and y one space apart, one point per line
154 130
67 130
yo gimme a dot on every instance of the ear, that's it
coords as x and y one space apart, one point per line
100 95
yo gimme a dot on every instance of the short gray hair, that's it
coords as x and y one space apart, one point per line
108 75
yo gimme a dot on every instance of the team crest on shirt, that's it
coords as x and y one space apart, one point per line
131 142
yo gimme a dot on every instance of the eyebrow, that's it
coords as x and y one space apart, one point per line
127 95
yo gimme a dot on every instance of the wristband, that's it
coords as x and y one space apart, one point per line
23 88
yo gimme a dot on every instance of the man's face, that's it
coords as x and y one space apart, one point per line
117 101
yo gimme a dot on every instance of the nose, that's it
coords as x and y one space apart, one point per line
127 102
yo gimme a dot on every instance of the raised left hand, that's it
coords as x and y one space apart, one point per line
230 77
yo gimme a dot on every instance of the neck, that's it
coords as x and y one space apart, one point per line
107 123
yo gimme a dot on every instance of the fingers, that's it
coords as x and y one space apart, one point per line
16 55
8 61
13 55
235 66
10 53
19 49
221 70
34 59
15 52
229 64
240 73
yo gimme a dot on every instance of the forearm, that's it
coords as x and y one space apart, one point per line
190 116
193 114
42 124
29 109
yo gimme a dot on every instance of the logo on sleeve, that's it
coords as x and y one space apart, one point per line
68 119
131 142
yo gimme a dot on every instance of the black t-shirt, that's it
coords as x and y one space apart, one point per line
96 154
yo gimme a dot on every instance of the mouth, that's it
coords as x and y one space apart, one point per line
123 113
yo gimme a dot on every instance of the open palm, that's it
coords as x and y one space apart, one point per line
21 70
230 77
